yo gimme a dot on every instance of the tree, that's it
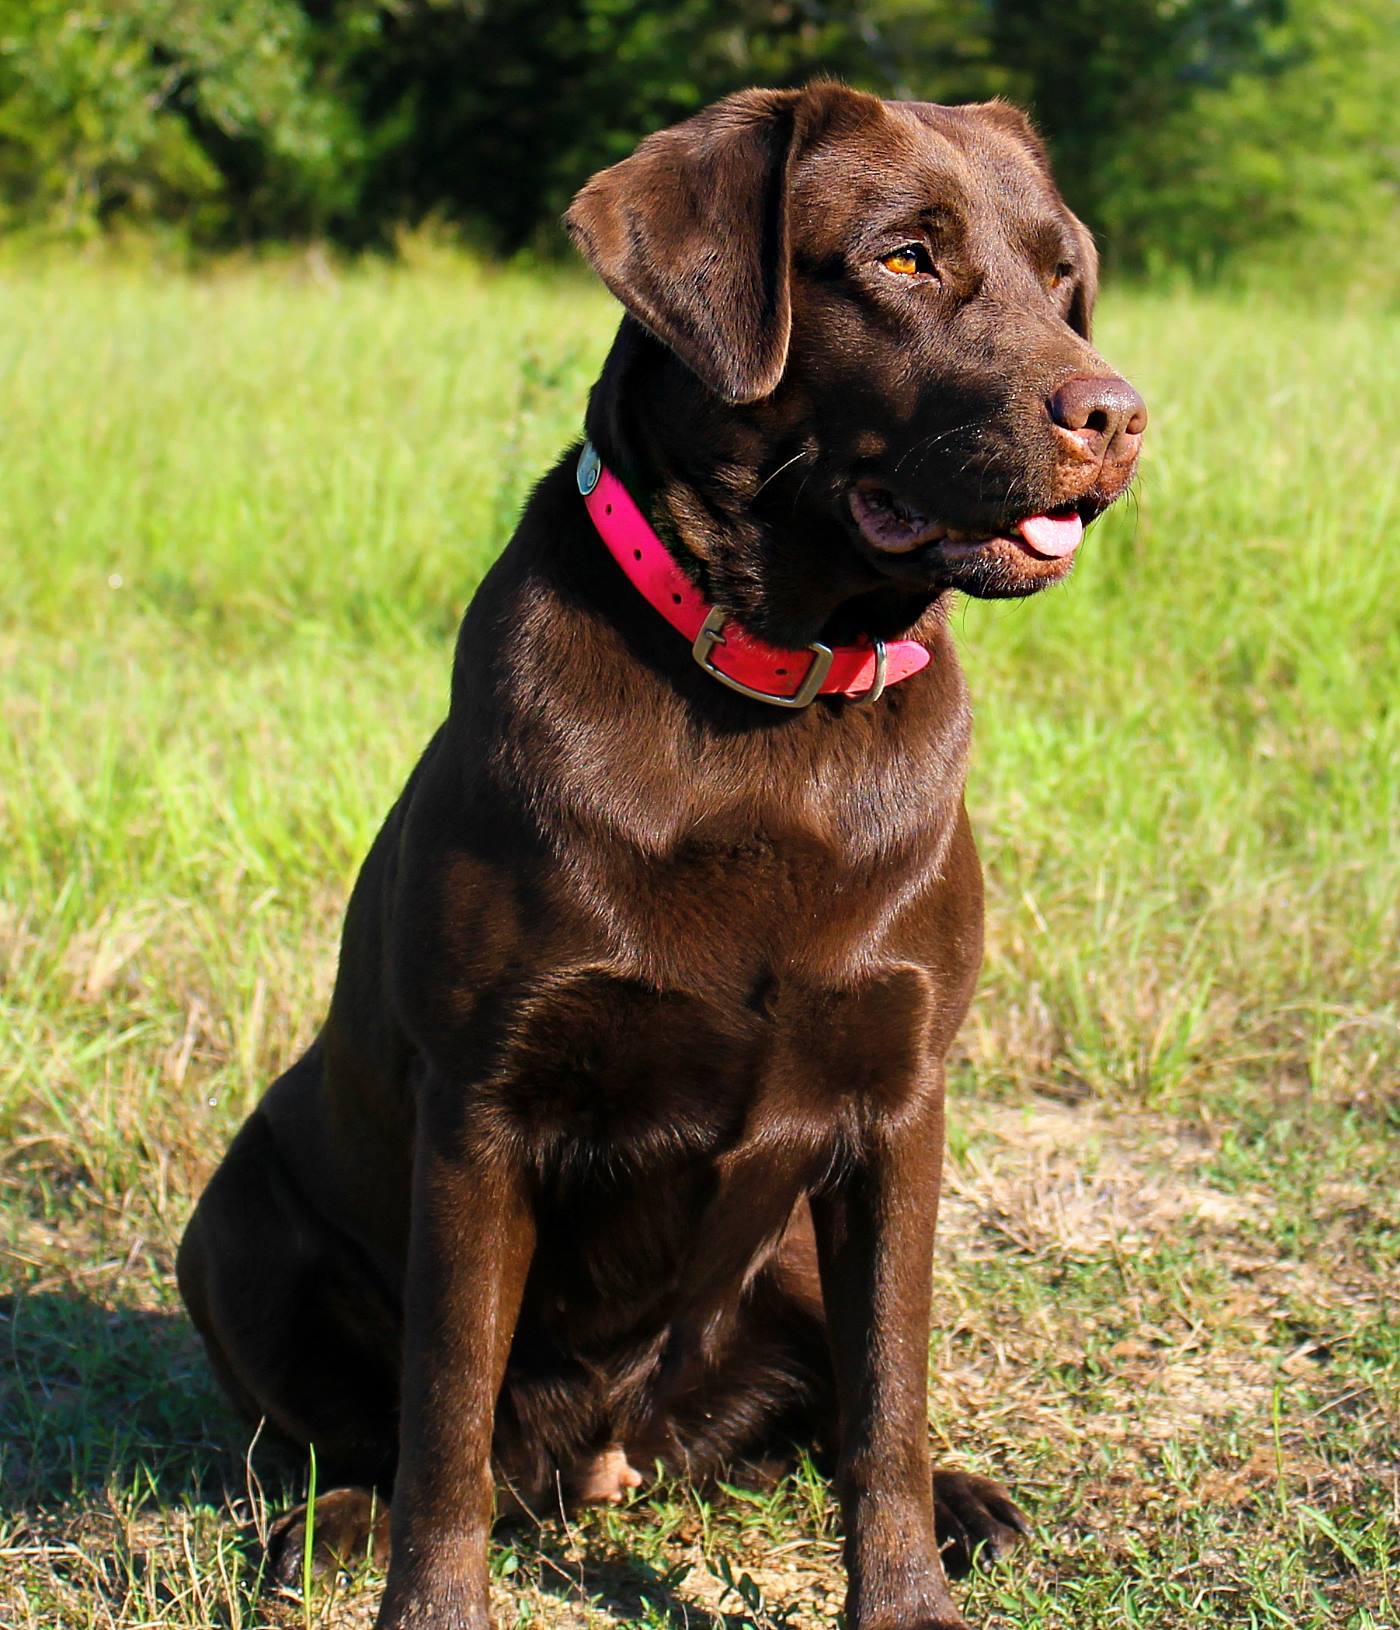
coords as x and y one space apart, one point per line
493 113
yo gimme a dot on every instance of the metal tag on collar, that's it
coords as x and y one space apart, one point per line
590 467
712 634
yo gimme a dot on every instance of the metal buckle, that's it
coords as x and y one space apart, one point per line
711 634
877 685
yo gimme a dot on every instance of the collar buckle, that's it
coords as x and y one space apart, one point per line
712 634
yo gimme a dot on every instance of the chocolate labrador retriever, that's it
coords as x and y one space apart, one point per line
620 1146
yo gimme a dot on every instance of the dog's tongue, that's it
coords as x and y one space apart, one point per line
1052 535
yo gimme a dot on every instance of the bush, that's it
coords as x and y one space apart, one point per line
1294 165
203 114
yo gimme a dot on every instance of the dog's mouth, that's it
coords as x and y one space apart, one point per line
893 527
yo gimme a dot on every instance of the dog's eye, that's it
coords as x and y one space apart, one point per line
1061 274
910 260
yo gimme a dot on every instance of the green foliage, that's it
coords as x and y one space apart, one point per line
1103 82
1295 161
1191 133
205 113
494 113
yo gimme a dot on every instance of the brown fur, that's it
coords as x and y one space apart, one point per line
621 1142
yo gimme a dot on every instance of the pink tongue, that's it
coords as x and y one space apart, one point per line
1052 535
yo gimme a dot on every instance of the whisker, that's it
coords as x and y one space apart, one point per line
926 444
805 452
801 487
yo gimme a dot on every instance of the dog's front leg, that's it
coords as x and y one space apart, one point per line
874 1230
472 1235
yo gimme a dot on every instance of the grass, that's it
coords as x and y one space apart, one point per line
240 518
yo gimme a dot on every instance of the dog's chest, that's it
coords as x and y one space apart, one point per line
745 913
671 1134
596 1065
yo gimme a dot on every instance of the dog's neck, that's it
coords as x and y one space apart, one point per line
698 468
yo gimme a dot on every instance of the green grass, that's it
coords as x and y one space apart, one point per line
239 518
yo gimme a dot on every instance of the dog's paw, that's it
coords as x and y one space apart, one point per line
976 1521
607 1478
350 1527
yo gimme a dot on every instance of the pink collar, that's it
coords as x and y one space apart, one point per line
767 673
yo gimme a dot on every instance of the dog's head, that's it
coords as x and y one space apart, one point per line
876 322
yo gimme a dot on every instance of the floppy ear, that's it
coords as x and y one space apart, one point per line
1007 117
1086 289
691 234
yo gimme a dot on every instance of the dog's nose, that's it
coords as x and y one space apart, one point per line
1098 410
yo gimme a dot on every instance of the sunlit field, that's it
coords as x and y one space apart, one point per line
240 516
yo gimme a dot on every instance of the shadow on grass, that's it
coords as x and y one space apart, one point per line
101 1402
95 1397
625 1587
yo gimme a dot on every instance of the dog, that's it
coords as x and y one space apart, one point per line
620 1145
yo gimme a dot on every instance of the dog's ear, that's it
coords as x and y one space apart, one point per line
691 234
1013 121
1008 118
1086 287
